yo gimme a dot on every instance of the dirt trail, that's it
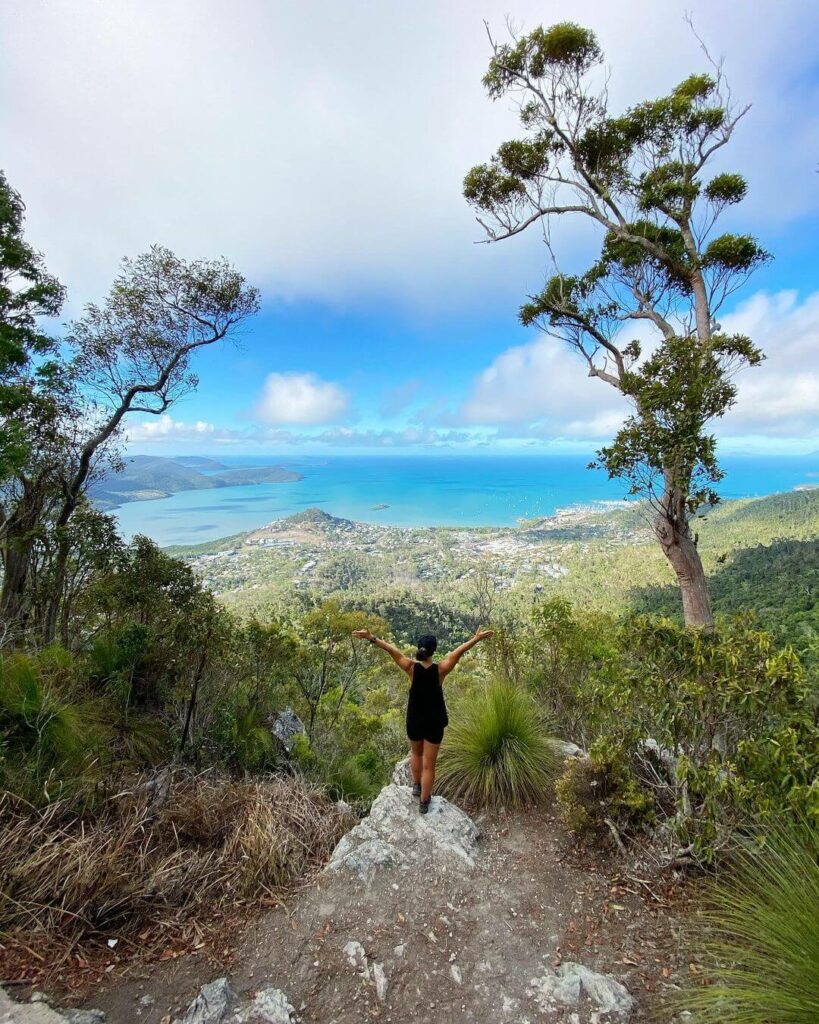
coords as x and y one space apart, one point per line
438 937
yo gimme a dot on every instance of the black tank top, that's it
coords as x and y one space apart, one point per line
426 696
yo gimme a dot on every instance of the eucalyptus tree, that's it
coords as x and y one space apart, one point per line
643 179
131 354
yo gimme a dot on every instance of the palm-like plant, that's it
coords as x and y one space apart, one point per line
498 751
765 927
47 734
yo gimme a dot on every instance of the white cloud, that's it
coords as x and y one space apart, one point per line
171 433
322 146
780 398
289 398
540 389
543 383
166 428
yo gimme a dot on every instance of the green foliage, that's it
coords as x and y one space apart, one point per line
763 934
50 739
601 788
776 584
497 750
243 738
733 711
677 390
27 292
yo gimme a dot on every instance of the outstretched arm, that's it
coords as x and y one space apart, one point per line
446 665
397 656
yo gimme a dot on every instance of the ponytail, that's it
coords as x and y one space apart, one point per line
427 645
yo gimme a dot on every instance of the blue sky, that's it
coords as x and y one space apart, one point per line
321 147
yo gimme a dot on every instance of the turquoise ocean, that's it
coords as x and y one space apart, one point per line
434 490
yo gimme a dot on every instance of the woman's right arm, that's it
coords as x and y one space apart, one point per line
397 656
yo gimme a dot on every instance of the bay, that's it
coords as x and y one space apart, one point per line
418 490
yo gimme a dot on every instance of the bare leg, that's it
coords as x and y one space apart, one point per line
428 774
416 760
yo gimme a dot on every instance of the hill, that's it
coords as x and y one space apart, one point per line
145 477
760 554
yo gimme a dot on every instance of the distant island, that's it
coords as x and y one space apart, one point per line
147 477
380 507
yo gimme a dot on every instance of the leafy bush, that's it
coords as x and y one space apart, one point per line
730 709
764 923
602 788
497 750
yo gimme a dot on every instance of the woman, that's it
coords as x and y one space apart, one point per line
426 709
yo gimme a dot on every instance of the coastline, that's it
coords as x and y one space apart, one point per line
492 491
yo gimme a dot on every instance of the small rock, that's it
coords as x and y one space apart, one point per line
211 1004
570 981
147 1000
455 971
381 982
270 1006
357 958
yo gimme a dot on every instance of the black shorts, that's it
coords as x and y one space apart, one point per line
430 732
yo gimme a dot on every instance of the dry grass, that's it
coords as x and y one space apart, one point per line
215 841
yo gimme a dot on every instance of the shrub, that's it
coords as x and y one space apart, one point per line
734 713
497 750
764 923
602 788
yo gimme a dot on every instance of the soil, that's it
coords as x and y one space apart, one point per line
464 946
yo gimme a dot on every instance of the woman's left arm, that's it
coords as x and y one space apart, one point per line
397 656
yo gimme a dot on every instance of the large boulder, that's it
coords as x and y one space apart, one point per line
395 835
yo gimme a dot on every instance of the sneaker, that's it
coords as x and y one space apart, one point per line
416 789
423 806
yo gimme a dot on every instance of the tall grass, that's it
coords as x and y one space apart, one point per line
215 840
764 922
497 751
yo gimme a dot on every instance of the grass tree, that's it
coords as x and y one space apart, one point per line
643 179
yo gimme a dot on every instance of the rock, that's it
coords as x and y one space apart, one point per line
344 808
455 973
394 834
565 749
270 1006
381 982
570 982
217 1003
375 973
357 958
27 1013
211 1004
287 727
39 1012
402 776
